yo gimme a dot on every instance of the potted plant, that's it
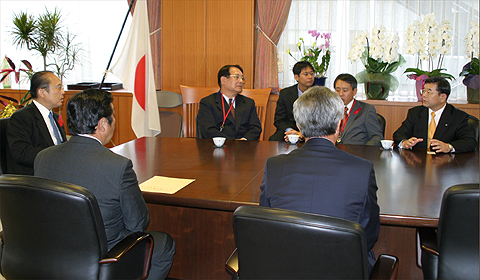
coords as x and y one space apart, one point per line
313 53
45 35
470 70
428 40
379 54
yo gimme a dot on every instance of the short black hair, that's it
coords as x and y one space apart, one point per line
346 78
443 86
39 80
299 66
85 109
225 71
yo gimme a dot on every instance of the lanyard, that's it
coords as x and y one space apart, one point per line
345 122
225 115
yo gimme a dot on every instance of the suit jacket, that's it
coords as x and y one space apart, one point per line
319 178
363 127
245 124
452 128
27 135
284 112
85 162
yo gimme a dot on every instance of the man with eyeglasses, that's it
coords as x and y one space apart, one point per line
436 125
284 121
35 126
227 113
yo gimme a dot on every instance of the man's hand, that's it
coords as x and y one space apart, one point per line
439 147
293 131
408 144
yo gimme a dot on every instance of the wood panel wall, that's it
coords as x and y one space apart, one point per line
199 37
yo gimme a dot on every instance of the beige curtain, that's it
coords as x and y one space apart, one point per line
272 17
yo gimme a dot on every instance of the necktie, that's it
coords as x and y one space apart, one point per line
431 130
233 108
55 129
344 121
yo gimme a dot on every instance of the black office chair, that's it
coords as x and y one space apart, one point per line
54 230
473 123
5 156
283 244
451 252
382 122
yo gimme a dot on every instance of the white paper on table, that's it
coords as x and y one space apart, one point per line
161 184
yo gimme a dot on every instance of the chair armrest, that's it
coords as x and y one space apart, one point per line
128 259
232 264
386 267
1 250
428 240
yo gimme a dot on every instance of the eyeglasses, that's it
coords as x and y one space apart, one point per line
425 92
59 86
238 77
306 74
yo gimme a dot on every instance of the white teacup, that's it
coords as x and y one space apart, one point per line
387 144
218 141
292 138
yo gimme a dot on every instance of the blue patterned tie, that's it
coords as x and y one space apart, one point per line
55 129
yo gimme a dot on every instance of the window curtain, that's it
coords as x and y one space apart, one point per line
272 17
345 19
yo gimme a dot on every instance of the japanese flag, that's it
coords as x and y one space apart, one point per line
135 69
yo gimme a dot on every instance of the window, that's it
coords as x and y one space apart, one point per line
345 19
96 24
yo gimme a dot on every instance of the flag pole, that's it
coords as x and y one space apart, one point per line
116 43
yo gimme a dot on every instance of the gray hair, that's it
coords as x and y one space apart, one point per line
317 112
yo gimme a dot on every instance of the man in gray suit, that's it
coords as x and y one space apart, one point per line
360 124
84 161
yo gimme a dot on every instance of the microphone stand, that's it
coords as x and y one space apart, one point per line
116 43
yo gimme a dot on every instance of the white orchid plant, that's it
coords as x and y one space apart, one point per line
379 54
472 48
428 40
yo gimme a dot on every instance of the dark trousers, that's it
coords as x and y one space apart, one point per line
162 257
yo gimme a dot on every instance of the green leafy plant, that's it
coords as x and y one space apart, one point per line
45 35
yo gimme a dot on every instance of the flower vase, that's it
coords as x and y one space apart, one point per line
377 90
320 81
472 95
418 89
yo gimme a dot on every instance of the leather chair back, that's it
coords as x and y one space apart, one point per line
5 156
283 244
382 122
473 123
458 231
52 230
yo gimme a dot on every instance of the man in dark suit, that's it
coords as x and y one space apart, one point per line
318 177
227 113
84 161
360 125
284 121
35 126
448 126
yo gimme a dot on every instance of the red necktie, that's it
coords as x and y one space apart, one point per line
233 108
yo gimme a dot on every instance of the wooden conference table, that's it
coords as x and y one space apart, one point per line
199 216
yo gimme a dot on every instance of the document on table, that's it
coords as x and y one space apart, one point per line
161 184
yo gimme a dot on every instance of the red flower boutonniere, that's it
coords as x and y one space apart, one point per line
60 120
356 112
